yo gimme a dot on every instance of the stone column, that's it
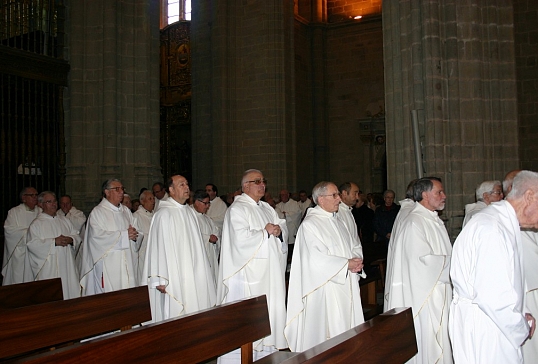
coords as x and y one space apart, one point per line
454 64
243 92
112 103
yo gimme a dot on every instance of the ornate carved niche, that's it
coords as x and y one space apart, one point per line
175 100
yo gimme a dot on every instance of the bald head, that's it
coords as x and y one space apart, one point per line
508 180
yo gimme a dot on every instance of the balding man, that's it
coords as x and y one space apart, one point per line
349 195
15 230
419 272
107 263
324 296
71 213
52 241
142 219
179 276
253 249
486 193
488 319
159 191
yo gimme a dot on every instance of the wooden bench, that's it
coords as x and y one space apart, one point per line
387 338
187 339
31 293
30 328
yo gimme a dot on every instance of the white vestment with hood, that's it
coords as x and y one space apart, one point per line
107 262
176 259
251 263
487 323
15 230
45 260
324 296
419 278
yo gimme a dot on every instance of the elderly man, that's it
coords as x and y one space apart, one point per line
488 320
179 277
15 230
419 272
253 249
384 217
217 208
324 296
210 231
486 193
127 202
349 194
71 213
52 241
159 191
142 219
107 263
290 211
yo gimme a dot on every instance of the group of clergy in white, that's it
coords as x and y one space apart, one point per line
472 302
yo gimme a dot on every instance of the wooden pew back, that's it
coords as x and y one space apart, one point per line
387 338
39 326
31 293
187 339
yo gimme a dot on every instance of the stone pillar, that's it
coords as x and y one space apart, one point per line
112 103
243 92
454 64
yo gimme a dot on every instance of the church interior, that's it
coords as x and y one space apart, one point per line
367 91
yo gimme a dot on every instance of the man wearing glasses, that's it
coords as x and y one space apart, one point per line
486 193
324 297
52 242
15 228
107 262
253 251
159 191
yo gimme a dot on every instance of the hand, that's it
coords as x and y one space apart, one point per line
161 288
213 239
273 229
355 265
63 240
532 324
133 234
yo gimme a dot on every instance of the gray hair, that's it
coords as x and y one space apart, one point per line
106 185
523 181
389 191
320 189
42 195
142 196
24 190
425 184
246 173
486 187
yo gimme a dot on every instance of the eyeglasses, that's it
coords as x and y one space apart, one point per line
117 189
258 181
496 193
50 201
30 194
155 192
334 195
205 203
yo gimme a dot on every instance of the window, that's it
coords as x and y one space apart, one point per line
177 10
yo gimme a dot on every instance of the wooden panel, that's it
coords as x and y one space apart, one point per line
48 324
187 339
31 293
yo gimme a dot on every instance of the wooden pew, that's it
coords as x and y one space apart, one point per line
188 339
31 293
387 338
30 328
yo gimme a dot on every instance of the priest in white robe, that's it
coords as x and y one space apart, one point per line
324 295
290 211
253 248
529 240
486 193
217 207
107 263
304 202
142 219
349 195
159 191
419 272
179 278
51 242
489 322
210 231
15 231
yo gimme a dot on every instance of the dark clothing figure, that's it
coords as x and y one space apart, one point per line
384 220
364 218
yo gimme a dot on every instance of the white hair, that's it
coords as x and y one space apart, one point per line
523 181
486 187
247 172
142 196
320 189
